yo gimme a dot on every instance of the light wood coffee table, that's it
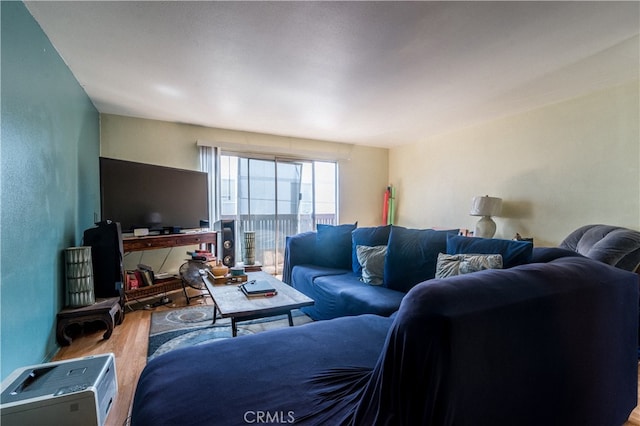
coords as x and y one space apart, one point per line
232 303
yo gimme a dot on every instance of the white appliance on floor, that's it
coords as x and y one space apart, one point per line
74 392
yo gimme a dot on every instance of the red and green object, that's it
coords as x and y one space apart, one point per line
388 206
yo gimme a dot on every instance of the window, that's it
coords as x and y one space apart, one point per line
275 197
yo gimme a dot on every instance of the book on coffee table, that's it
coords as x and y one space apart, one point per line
258 288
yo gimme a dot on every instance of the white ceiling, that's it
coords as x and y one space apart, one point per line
371 73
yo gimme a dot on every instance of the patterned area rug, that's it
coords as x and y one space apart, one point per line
190 326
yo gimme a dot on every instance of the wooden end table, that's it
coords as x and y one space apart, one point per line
109 311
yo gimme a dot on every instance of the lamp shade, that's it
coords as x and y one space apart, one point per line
486 206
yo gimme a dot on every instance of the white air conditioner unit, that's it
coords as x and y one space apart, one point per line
75 392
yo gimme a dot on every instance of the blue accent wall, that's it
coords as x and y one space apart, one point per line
49 185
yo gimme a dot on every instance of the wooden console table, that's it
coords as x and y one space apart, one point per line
206 240
152 242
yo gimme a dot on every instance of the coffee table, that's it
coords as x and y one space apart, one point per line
232 303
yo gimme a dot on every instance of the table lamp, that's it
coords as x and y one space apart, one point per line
486 207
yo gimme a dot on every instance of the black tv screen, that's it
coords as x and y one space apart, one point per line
142 195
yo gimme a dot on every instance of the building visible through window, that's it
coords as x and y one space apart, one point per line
276 198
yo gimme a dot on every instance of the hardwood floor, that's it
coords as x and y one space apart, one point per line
129 345
634 418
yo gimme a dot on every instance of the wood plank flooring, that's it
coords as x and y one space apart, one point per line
129 345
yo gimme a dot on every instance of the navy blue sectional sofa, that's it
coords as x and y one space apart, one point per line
550 341
324 265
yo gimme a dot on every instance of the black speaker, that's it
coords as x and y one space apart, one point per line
106 254
226 246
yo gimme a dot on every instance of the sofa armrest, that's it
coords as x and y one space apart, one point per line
299 250
613 245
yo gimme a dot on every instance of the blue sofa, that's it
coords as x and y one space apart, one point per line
552 341
324 265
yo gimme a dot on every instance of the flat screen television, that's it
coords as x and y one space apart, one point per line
142 195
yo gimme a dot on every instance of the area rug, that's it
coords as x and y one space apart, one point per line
191 326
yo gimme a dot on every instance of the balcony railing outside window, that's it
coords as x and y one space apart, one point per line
275 198
271 236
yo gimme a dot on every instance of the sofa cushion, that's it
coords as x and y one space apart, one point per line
450 265
307 273
547 254
513 253
412 255
368 236
333 245
344 295
372 261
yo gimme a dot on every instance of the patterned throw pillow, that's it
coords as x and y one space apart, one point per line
457 264
368 236
372 261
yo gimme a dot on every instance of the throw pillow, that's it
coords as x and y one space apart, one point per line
333 245
368 236
513 253
412 255
372 261
450 265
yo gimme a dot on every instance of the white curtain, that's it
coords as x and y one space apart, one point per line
209 162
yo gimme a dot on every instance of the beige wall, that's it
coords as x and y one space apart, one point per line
362 170
556 168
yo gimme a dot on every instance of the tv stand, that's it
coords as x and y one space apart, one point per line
151 242
205 239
